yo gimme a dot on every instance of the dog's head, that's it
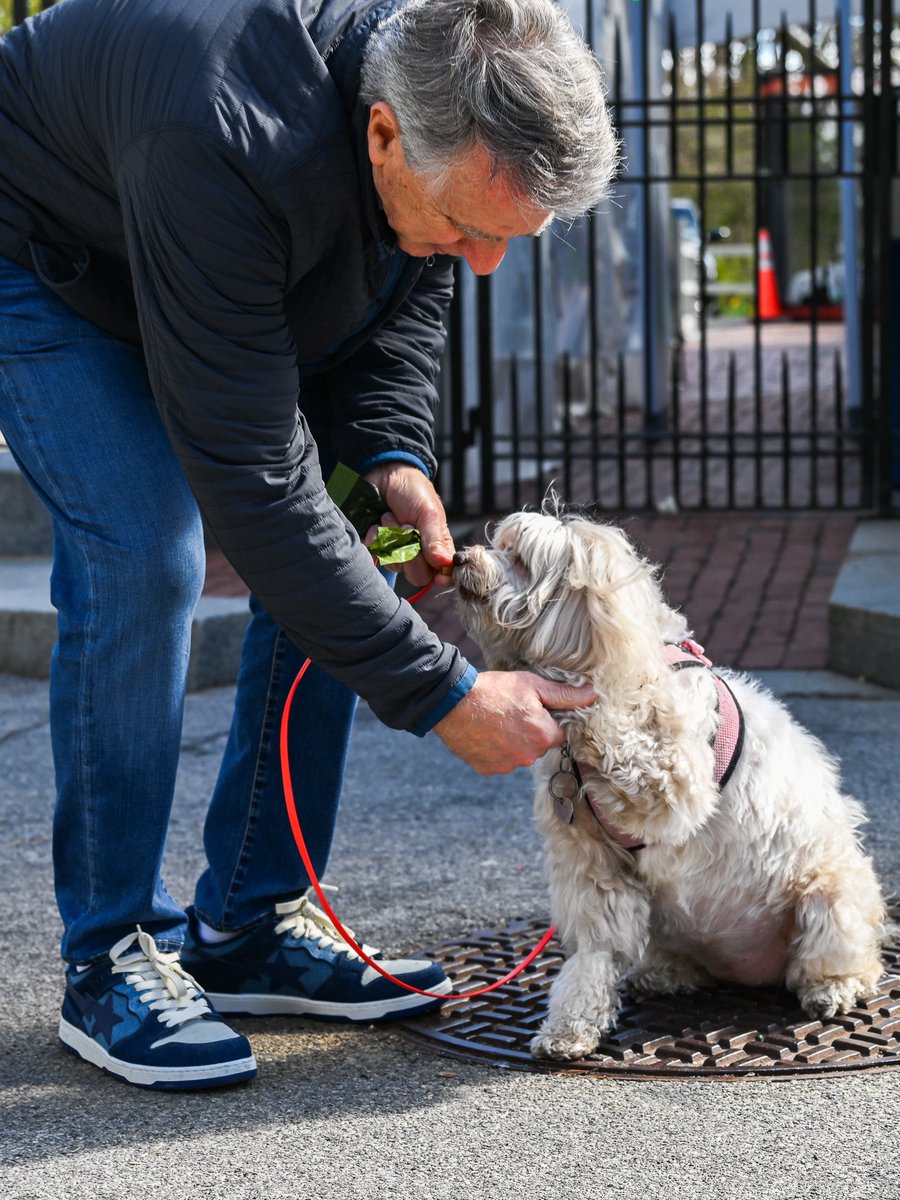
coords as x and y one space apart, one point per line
563 595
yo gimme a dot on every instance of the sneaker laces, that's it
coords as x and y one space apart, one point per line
302 919
160 980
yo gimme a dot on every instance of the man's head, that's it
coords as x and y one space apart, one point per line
487 118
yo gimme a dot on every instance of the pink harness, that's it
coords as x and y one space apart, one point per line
727 744
729 738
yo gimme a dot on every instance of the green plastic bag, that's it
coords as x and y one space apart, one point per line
362 504
393 545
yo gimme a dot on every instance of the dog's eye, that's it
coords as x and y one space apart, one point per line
517 565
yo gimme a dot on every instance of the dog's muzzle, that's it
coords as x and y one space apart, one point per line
469 584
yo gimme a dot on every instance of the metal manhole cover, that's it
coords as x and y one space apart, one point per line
721 1031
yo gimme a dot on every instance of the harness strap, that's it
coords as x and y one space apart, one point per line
727 742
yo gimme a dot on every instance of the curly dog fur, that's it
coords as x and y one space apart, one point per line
762 883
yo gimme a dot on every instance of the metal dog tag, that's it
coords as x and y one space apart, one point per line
564 788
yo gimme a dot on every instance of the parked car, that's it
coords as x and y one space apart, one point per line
691 241
693 253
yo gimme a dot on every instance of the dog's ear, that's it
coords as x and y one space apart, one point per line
602 556
625 606
659 774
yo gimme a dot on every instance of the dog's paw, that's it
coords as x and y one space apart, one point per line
836 996
576 1041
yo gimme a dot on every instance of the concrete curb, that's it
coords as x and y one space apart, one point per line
28 628
864 609
25 528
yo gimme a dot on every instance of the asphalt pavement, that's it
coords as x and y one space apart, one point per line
426 850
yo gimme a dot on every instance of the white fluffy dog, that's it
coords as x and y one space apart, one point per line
658 875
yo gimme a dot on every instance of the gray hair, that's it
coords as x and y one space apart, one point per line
509 76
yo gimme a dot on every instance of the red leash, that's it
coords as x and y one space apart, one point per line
291 805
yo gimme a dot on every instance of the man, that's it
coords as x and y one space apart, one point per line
226 238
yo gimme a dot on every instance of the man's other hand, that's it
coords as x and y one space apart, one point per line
503 722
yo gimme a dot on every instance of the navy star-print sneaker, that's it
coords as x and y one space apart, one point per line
294 962
141 1017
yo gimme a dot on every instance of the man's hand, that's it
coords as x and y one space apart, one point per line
503 722
411 500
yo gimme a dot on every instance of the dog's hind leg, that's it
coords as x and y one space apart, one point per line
606 934
836 962
663 972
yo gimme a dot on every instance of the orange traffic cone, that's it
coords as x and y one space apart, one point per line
768 303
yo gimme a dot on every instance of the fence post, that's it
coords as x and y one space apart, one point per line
888 218
486 395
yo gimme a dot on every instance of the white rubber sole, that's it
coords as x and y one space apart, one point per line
211 1075
269 1005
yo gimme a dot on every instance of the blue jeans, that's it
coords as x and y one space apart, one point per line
128 568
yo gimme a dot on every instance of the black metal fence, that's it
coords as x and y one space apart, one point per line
725 331
722 333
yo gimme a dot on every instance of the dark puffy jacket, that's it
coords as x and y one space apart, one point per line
192 175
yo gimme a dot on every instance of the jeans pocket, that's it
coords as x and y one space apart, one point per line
92 287
59 269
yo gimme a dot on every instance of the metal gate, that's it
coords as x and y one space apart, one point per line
720 335
725 332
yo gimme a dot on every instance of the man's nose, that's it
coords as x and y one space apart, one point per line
484 257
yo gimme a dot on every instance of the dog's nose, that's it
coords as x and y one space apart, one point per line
460 558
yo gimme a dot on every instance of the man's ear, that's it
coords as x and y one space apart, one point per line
383 132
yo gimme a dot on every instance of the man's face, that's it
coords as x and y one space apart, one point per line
471 216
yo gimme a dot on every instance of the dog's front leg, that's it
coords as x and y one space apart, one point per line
606 931
584 1000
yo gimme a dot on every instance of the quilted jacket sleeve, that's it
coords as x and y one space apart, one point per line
208 259
384 394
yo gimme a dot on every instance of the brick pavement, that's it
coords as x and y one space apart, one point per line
754 586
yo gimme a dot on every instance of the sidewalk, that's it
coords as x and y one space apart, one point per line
425 852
